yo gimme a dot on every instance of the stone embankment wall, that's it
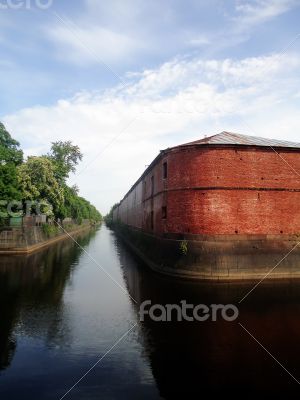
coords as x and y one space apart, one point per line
26 240
216 257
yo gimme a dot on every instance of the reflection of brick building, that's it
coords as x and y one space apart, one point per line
227 184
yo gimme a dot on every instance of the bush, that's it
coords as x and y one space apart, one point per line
50 230
184 247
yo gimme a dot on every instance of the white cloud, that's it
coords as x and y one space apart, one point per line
180 101
113 33
199 41
247 19
92 44
254 12
127 33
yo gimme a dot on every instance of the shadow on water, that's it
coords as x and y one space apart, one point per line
59 314
194 358
34 281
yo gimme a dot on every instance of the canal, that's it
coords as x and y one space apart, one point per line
63 309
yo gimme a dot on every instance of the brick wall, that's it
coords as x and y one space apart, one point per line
209 190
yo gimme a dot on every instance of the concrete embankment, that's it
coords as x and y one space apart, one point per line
28 240
221 258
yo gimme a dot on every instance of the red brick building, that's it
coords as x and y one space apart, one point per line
226 184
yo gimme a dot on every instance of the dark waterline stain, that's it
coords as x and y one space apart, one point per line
59 313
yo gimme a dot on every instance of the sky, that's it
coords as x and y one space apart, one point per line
126 79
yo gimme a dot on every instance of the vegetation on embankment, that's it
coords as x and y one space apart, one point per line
51 231
42 179
31 239
108 219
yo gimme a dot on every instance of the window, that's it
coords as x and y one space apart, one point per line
165 170
164 212
152 185
152 220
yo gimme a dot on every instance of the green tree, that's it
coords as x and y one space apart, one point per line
64 156
43 179
109 217
10 157
37 181
77 207
9 148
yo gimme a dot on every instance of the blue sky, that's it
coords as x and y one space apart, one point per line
124 79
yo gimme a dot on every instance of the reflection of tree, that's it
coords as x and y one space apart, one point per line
35 283
189 359
8 318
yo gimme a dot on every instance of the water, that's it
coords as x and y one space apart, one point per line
60 313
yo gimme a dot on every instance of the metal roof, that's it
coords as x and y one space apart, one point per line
229 138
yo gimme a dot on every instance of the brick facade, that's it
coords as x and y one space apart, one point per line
217 190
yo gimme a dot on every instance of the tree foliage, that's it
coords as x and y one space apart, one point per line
77 207
37 182
109 217
43 178
9 148
10 157
64 156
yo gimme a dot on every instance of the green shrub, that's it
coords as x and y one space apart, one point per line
50 230
184 247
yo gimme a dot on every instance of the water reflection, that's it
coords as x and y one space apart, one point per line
194 358
59 313
34 282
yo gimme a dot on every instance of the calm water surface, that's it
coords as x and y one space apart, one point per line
59 313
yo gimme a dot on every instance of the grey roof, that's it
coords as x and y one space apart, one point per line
237 139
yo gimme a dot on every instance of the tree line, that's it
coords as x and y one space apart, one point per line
43 179
109 217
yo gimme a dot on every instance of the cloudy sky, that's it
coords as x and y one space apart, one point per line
124 79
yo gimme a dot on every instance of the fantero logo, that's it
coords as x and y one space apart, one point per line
16 208
188 312
25 4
